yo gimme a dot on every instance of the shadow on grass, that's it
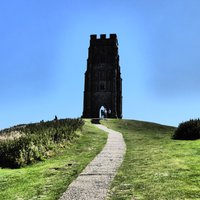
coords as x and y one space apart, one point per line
95 121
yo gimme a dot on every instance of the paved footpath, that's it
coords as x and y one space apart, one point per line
94 181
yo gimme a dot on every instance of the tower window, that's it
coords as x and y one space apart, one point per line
102 86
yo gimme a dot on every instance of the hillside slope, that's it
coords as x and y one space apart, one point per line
49 179
155 166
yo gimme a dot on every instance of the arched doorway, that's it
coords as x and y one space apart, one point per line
102 112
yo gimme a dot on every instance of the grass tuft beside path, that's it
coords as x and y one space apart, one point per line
155 166
49 179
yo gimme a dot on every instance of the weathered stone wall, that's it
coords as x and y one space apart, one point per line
103 83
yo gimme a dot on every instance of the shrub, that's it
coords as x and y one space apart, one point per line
189 130
38 139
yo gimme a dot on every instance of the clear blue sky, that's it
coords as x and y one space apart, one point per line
44 46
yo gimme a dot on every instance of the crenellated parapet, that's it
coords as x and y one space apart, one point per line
103 39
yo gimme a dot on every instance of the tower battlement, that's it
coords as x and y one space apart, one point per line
110 40
103 36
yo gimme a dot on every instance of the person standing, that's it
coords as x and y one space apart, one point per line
105 113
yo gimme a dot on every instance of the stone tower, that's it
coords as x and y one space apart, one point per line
103 83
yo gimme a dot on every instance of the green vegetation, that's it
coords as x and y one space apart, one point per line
36 142
47 180
189 130
155 166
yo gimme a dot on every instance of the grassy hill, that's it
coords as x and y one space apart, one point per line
155 166
49 179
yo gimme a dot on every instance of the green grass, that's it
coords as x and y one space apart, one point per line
49 179
155 166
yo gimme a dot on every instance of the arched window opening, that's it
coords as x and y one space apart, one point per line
102 87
